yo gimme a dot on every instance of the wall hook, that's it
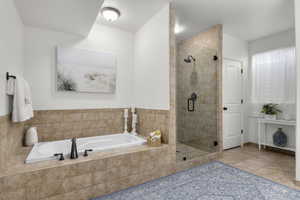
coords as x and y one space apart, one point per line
9 76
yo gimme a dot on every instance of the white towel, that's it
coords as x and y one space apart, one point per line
22 104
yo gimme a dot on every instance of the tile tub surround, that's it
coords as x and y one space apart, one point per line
3 140
11 141
64 124
151 120
100 173
203 125
56 125
96 175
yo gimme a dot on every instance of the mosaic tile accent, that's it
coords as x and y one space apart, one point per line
213 181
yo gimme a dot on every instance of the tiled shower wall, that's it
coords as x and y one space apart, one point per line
199 128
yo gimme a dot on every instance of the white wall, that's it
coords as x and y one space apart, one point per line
11 48
237 49
276 41
151 63
40 67
297 25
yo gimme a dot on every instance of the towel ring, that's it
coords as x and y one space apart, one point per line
9 76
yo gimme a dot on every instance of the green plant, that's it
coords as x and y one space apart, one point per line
270 109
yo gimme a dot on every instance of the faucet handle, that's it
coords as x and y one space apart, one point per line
61 156
86 152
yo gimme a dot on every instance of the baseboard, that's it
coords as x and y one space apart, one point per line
297 183
272 149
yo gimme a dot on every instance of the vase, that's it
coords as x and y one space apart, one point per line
31 137
280 138
270 117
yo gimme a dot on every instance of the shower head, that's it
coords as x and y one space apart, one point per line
189 59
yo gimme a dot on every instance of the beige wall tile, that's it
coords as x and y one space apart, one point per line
97 190
204 79
151 120
15 195
77 182
3 141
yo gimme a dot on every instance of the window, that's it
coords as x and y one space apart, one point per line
274 76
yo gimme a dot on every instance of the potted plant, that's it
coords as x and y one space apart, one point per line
270 110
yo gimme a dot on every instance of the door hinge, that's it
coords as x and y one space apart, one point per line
242 131
242 101
242 71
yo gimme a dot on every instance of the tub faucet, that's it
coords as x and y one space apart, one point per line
74 152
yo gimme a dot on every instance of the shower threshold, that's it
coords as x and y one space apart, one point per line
185 152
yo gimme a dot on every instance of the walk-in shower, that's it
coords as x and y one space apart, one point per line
197 96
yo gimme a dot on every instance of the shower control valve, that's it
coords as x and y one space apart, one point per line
191 102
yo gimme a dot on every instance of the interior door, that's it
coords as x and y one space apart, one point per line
232 103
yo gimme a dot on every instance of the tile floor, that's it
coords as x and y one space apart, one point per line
278 167
188 152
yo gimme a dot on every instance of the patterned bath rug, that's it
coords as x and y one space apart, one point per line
212 181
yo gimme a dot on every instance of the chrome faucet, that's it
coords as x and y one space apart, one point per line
74 152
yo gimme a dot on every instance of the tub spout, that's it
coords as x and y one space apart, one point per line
74 152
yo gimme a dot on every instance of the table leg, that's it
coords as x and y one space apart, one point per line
265 135
259 128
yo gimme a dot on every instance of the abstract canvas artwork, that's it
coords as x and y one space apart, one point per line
80 70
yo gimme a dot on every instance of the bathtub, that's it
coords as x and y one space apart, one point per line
45 150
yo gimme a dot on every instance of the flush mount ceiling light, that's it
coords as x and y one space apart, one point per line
110 14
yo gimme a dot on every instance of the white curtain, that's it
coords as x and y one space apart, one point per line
274 76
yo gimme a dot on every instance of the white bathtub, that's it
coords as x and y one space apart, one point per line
45 150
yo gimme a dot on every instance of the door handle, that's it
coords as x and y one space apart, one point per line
225 108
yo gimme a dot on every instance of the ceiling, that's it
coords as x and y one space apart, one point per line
247 20
70 16
134 13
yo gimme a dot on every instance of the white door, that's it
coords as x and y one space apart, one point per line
232 103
